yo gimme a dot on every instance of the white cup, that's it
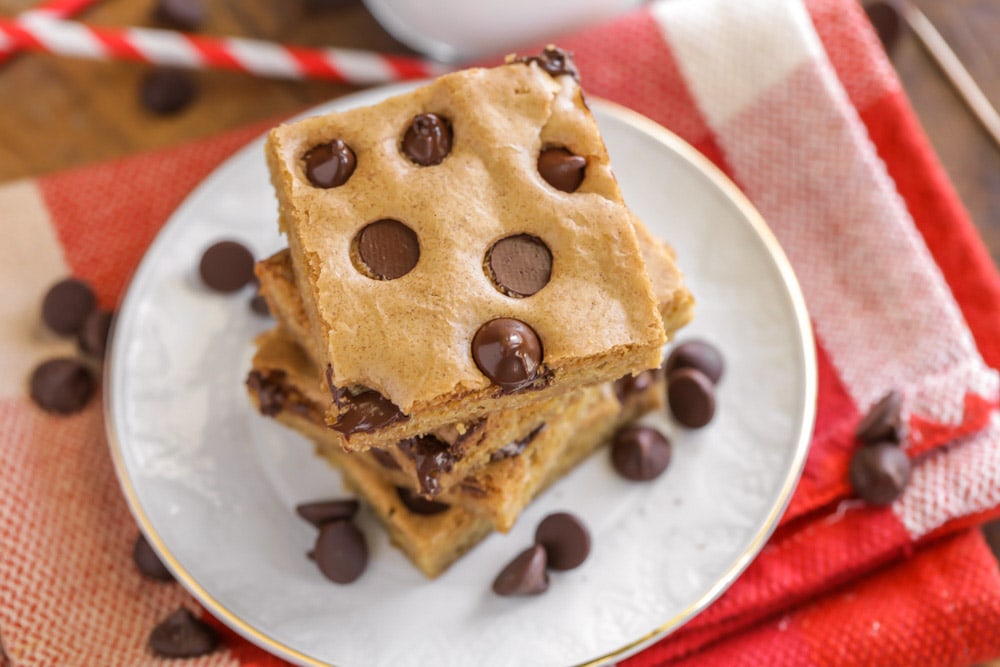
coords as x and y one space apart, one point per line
461 30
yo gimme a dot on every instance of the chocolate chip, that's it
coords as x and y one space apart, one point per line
879 473
226 266
181 14
341 552
428 139
640 453
691 397
432 458
368 411
329 165
258 304
698 354
553 60
148 563
181 635
883 421
418 504
388 249
565 539
508 352
64 385
167 90
93 336
270 391
512 449
519 265
324 511
561 169
66 306
887 23
525 575
384 458
629 385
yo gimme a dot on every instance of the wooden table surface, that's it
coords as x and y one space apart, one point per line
57 113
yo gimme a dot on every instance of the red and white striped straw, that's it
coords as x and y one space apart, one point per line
41 32
59 9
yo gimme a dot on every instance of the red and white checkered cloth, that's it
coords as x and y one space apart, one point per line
798 104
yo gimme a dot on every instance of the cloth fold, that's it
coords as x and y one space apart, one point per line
798 104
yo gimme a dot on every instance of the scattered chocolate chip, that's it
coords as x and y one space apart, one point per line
418 504
66 306
640 453
553 60
226 266
432 458
384 458
181 635
148 563
887 23
388 249
519 265
428 139
508 352
561 169
691 397
565 539
93 336
879 472
258 304
629 385
512 449
167 90
525 575
883 421
324 511
329 165
368 411
181 14
341 552
64 385
698 354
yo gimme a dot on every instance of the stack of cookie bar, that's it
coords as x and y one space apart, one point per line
466 308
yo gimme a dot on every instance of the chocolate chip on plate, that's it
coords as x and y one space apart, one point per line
883 421
66 305
525 575
388 249
508 352
691 397
182 14
520 265
629 385
879 472
367 411
324 511
565 539
341 552
181 635
418 504
640 453
93 336
562 169
699 354
329 165
167 90
64 385
148 563
428 139
226 266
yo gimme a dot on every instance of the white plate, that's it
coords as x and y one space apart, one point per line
213 485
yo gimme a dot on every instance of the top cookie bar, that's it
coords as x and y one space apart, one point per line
463 247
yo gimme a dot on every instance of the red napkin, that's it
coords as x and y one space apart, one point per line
798 104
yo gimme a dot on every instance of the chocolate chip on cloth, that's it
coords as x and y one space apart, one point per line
418 504
525 575
167 90
519 265
565 539
93 337
883 422
322 512
329 165
66 305
182 14
341 552
562 169
226 266
181 635
691 397
698 354
63 385
427 140
148 563
879 473
388 249
508 352
640 453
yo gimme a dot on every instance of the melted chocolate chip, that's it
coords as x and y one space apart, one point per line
691 397
883 421
368 411
418 504
147 562
525 575
384 458
226 266
181 635
321 512
508 352
167 90
629 385
388 249
66 306
62 385
329 165
640 453
553 60
699 354
270 391
341 552
879 473
561 169
93 336
520 265
182 14
512 449
432 458
428 139
565 539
